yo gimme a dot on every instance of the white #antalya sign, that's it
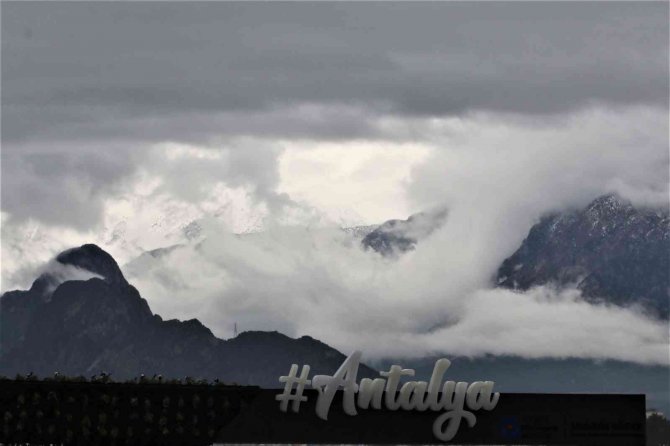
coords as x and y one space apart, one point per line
457 399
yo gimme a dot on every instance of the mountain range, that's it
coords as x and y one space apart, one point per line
84 327
82 317
610 250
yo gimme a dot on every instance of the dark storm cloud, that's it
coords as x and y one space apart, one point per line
98 66
87 87
63 187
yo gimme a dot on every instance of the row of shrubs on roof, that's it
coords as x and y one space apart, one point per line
99 415
105 377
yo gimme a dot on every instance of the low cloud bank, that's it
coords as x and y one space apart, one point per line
320 283
495 174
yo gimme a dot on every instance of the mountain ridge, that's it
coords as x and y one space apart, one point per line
610 250
394 237
103 324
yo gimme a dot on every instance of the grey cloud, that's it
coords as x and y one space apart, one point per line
87 61
133 74
63 187
248 164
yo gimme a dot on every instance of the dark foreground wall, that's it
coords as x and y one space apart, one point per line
153 414
115 413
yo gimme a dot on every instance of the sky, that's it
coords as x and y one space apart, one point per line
130 124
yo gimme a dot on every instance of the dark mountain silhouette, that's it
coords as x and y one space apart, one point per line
103 324
610 250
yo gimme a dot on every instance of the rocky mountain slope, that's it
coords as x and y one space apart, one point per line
103 324
610 250
399 236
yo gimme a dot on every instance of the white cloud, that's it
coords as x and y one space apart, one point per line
496 175
59 273
353 183
320 283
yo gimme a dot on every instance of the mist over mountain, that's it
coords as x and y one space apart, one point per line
610 250
103 324
399 236
81 316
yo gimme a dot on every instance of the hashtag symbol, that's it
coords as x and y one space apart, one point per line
291 380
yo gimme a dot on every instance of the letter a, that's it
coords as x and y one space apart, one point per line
345 377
